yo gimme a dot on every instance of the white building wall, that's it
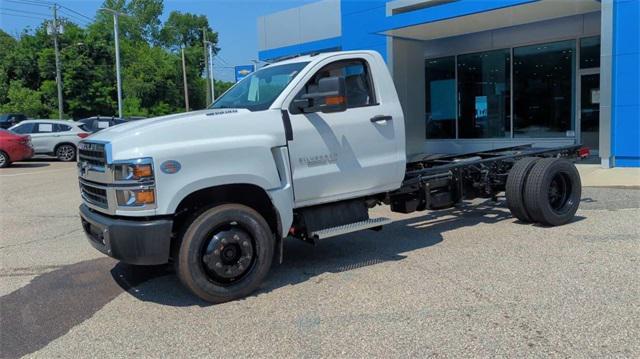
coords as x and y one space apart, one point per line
316 21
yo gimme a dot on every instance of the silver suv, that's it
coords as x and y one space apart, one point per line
53 137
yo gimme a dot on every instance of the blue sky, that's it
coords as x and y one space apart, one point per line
235 21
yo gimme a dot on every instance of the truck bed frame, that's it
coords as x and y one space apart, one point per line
434 182
437 182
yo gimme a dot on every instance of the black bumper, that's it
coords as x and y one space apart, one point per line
130 241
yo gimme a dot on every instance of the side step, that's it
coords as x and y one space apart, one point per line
351 227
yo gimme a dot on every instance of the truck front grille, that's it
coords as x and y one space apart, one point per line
94 195
92 153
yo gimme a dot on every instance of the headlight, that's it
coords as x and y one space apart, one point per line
135 197
135 170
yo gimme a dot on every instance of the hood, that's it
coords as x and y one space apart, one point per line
142 125
144 138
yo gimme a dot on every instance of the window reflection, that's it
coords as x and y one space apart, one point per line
440 77
543 77
483 88
590 52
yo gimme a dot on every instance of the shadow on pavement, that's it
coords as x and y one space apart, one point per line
28 164
54 302
302 261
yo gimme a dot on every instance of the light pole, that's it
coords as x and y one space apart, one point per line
184 70
213 92
54 31
184 78
206 62
116 16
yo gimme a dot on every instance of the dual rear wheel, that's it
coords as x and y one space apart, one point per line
543 190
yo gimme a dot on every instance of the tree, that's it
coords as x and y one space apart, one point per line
24 100
150 64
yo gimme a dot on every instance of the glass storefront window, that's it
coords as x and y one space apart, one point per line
440 75
543 78
483 92
590 52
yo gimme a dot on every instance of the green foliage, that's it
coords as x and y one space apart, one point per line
24 100
151 66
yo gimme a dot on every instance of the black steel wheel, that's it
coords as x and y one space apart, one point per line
552 192
5 161
66 152
514 190
225 253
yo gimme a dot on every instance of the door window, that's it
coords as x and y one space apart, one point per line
358 88
61 128
24 128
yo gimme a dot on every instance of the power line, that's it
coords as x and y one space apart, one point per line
23 12
27 16
30 2
77 13
76 18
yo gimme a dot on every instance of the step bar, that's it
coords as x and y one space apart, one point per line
349 228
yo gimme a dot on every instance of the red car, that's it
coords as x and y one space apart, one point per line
14 147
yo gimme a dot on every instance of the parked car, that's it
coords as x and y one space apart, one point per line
10 119
53 137
97 123
14 147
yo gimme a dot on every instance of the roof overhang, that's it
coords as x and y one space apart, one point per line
456 18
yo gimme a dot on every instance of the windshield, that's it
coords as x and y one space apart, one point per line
257 91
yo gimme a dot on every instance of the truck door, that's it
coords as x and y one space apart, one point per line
345 154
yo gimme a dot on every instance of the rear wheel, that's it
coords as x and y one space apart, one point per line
552 192
225 253
514 190
5 161
66 153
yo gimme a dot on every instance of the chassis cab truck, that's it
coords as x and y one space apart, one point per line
301 148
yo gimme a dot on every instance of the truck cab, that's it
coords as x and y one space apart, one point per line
302 133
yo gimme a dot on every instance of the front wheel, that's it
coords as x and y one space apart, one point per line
4 160
225 253
66 153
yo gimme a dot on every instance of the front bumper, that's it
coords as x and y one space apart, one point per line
131 241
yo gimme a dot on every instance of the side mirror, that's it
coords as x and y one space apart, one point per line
329 96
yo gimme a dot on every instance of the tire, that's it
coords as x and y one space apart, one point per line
553 191
514 190
5 161
204 264
66 152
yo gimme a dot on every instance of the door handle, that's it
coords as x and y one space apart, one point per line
381 118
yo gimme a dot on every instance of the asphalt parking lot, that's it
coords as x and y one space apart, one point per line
464 282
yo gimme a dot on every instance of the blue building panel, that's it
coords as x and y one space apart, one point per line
446 11
360 21
625 122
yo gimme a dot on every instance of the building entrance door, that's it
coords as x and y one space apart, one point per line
589 110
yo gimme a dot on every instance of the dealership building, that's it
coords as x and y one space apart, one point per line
480 74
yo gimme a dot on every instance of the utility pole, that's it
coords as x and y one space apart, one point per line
206 63
54 31
184 77
213 91
116 16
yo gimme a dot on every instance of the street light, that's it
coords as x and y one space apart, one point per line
116 16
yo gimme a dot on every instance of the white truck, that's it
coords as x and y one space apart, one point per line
301 148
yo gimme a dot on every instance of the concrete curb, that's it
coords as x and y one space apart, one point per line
593 175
